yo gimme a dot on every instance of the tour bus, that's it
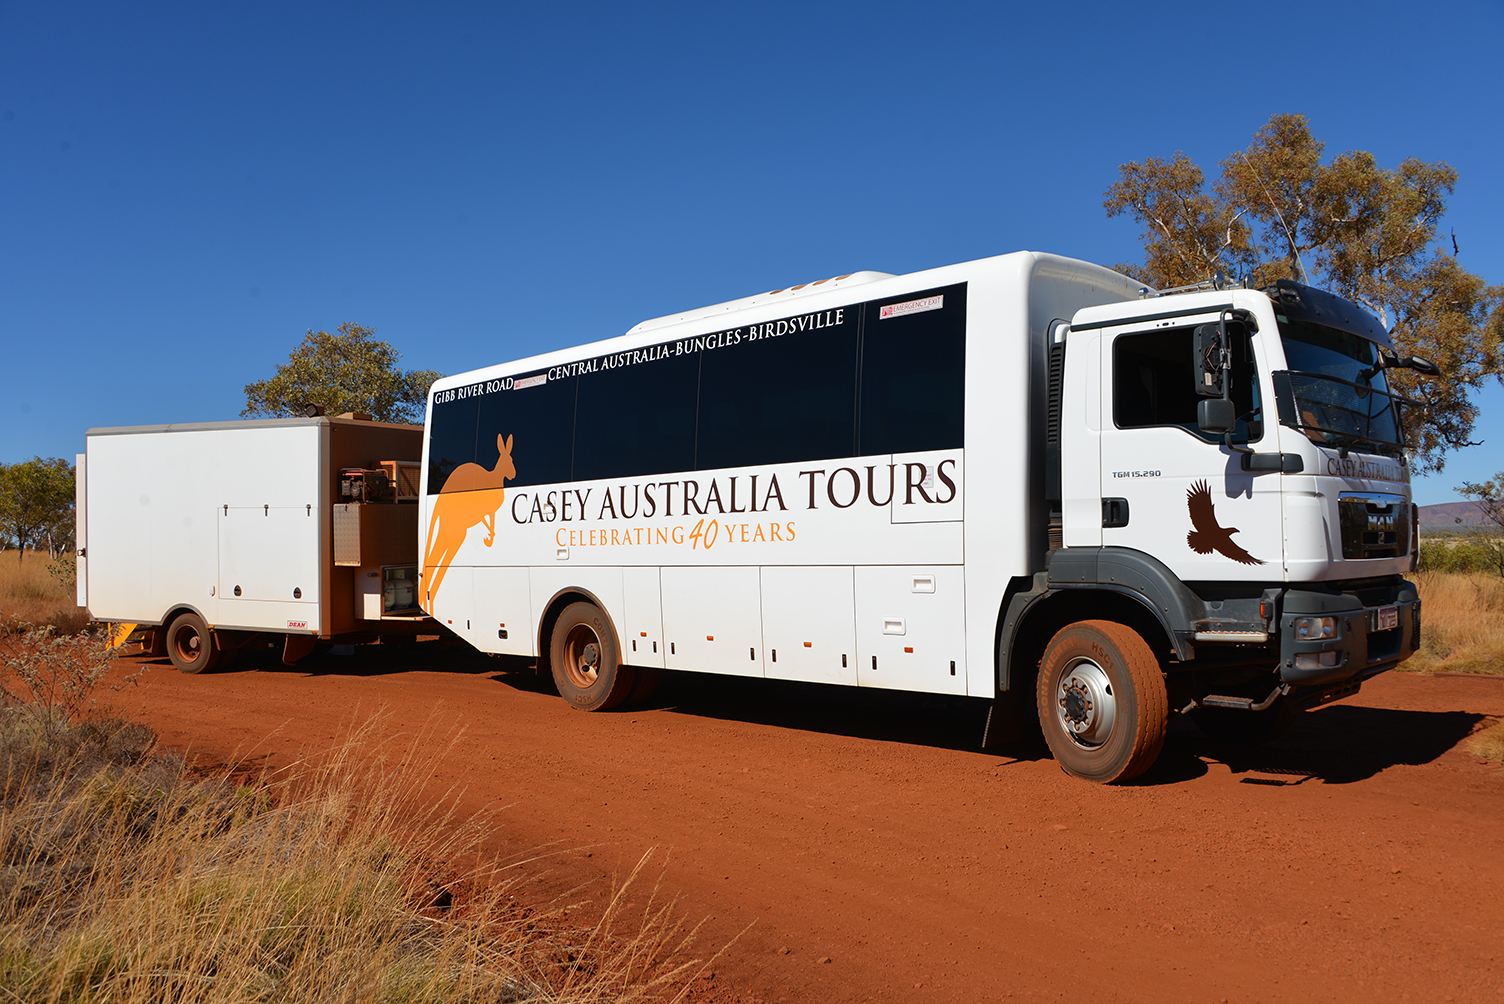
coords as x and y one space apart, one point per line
1026 479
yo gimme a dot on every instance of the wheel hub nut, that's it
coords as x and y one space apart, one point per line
590 656
1077 705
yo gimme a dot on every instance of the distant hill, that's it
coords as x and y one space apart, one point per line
1451 516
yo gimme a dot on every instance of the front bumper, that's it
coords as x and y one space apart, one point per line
1363 644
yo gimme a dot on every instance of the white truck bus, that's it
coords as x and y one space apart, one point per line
205 539
1025 479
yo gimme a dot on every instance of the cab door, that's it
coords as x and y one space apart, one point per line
1169 489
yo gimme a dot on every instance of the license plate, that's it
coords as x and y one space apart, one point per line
1389 617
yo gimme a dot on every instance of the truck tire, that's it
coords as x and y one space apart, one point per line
1246 727
191 645
586 660
1102 701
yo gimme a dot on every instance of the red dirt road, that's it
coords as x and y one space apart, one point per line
1360 858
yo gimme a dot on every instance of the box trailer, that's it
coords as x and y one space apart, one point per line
210 537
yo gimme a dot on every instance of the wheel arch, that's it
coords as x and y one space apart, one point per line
551 611
178 609
1029 622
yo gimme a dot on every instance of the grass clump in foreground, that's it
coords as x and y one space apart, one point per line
125 878
1462 623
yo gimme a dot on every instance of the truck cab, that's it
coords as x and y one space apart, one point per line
1229 479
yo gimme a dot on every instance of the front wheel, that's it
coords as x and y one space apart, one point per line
586 663
1102 701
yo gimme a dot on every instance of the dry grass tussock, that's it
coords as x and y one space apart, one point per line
1488 744
1462 623
126 878
35 590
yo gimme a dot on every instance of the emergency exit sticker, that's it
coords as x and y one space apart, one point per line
912 307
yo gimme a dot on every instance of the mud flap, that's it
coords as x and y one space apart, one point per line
1009 720
297 647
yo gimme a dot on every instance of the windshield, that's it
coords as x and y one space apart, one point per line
1333 390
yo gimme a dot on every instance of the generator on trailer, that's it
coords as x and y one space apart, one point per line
206 538
1025 479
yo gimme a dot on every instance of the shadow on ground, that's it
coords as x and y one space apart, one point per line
1337 744
357 660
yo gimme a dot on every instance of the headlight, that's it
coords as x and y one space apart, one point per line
1315 628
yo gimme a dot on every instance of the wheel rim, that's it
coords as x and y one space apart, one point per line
188 644
1085 706
582 656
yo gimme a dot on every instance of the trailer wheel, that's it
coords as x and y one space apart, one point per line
1246 727
190 644
1102 701
585 660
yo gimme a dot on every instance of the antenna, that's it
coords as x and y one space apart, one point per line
1280 216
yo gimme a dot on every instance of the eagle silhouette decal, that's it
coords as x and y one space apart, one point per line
1208 535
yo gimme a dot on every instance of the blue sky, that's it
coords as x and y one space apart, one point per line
185 189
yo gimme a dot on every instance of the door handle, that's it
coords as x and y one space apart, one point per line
1114 512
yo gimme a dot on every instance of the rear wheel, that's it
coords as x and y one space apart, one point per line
1102 701
190 644
585 660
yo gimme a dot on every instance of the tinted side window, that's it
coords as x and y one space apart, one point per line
1153 382
781 397
637 419
540 420
914 372
451 439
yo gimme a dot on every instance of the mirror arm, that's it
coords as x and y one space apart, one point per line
1227 380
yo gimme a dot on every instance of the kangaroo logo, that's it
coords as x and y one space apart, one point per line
470 497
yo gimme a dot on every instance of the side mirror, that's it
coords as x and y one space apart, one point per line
1421 365
1210 362
1216 415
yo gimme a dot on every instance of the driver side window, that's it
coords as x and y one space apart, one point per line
1153 383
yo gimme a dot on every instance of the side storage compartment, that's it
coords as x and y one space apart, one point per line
712 619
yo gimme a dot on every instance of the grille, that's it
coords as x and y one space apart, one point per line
1374 525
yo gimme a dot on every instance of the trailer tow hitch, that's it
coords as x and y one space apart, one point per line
1237 703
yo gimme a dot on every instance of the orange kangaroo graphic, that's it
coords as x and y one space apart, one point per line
471 495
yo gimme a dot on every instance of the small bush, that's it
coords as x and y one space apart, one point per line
1467 554
51 677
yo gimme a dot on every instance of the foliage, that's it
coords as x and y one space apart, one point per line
1366 232
50 677
350 371
1489 497
1460 554
36 504
63 570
